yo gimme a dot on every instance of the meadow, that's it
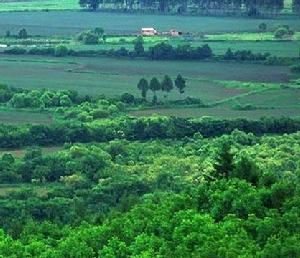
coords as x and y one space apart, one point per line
115 76
72 22
218 112
18 117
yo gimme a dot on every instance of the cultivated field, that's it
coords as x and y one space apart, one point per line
219 112
24 117
69 23
114 76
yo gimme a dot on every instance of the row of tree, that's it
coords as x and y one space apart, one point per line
250 7
166 86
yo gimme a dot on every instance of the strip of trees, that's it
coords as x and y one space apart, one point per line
209 7
166 86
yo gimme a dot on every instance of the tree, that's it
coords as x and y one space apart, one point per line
180 83
224 161
139 46
154 86
262 26
90 4
60 51
143 86
167 84
23 34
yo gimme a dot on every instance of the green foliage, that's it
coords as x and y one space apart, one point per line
60 51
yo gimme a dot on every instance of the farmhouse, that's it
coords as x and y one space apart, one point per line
148 31
175 33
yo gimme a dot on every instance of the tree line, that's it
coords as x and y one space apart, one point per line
214 7
166 86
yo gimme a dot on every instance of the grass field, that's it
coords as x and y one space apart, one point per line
24 117
116 76
69 23
38 5
219 112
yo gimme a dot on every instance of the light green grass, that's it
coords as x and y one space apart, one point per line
246 36
39 5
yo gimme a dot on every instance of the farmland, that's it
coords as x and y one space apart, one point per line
62 23
24 117
114 76
117 144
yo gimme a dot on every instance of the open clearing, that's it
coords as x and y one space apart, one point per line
219 112
70 23
24 117
115 76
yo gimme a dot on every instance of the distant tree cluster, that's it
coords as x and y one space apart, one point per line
91 37
166 86
244 55
214 7
185 52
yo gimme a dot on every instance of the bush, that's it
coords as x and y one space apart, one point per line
61 51
16 51
295 68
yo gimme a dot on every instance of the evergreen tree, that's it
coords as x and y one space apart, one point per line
154 86
180 83
224 161
167 84
143 86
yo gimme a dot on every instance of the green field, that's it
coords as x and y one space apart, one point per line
24 117
70 23
219 112
115 76
38 5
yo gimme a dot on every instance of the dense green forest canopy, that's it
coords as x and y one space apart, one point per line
250 7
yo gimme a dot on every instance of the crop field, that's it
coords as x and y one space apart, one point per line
70 23
116 76
37 5
24 117
219 112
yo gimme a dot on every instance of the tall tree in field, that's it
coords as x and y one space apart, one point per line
180 83
167 84
154 86
143 86
90 4
139 46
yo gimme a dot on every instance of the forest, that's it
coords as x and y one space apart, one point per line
250 7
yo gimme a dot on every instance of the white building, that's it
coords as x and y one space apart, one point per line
148 32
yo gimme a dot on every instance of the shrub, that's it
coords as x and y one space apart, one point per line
295 68
61 51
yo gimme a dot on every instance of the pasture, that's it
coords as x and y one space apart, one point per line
115 76
218 112
24 117
72 22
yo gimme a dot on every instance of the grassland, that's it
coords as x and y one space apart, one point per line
70 23
219 112
38 5
24 117
116 76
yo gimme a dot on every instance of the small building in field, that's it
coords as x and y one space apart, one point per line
175 33
148 32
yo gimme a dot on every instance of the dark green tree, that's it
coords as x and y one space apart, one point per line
143 86
23 34
224 161
180 83
139 46
154 87
167 84
90 4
